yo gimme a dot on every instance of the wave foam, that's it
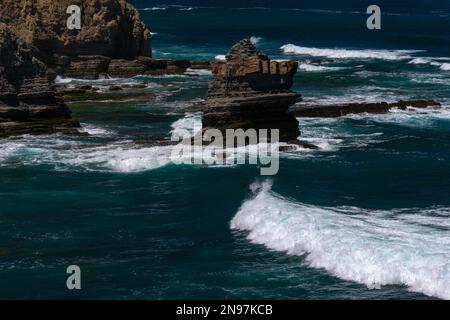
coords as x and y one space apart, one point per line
198 72
445 66
347 53
220 57
315 68
155 9
62 80
96 131
371 247
420 61
255 39
192 123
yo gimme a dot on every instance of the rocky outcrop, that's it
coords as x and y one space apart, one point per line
118 93
87 67
249 90
28 101
146 66
110 28
333 111
112 39
95 67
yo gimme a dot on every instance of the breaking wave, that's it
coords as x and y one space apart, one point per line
191 122
255 39
220 57
407 247
154 9
198 72
315 68
348 53
445 66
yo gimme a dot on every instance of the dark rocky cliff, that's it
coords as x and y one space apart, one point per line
28 101
110 28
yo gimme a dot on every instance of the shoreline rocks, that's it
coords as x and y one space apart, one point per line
29 103
249 91
334 111
114 94
97 67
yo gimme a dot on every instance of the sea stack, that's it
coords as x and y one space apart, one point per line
248 90
28 101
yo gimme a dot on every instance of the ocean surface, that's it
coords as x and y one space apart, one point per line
367 216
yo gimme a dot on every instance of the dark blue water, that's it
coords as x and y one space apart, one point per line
364 217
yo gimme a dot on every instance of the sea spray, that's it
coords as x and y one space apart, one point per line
373 247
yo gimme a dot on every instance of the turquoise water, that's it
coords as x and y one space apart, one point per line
364 217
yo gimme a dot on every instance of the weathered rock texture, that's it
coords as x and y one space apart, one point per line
28 101
250 91
146 66
112 40
109 28
334 111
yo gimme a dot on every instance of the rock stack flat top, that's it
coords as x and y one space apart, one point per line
249 91
28 101
110 28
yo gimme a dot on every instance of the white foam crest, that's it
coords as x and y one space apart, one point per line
198 72
420 61
154 8
255 39
315 68
445 66
220 57
64 153
62 80
7 149
163 7
125 159
371 247
348 53
95 130
191 122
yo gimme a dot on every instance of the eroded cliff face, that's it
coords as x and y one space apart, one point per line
110 28
28 101
249 91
